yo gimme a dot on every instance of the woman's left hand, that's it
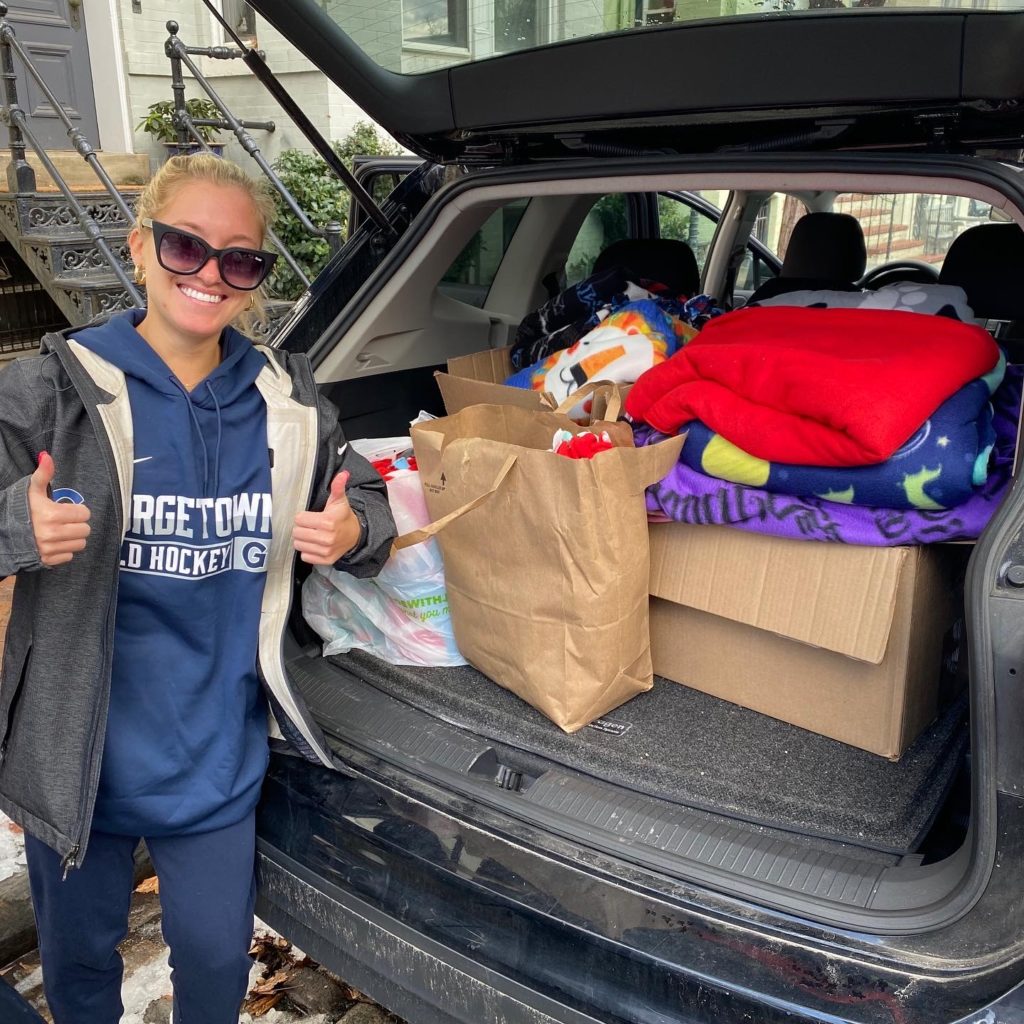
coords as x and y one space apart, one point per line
321 538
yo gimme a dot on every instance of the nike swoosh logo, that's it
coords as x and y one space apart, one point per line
145 458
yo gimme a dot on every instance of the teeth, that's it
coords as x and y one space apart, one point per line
202 296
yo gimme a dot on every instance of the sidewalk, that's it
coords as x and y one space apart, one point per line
285 986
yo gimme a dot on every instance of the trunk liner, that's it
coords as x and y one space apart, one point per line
679 744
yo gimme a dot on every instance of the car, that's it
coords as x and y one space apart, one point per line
697 860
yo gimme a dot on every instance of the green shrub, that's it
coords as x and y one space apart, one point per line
322 197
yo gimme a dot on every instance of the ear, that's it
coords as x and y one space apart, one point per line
135 246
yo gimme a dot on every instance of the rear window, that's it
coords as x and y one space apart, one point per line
412 36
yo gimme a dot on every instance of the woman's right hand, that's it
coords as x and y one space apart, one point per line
60 528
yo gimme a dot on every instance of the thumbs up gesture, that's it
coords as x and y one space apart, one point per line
60 529
321 538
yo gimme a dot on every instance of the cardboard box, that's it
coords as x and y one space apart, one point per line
840 639
476 380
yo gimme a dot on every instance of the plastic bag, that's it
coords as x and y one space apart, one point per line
402 614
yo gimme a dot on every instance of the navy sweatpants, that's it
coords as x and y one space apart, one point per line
207 894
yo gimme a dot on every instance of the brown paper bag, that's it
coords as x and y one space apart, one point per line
546 558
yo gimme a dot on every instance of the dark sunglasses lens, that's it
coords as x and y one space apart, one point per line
180 253
243 269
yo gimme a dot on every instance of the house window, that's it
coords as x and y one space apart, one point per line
437 22
241 17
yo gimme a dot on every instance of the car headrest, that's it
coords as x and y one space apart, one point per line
987 261
827 246
666 260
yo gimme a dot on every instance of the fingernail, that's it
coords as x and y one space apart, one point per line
39 457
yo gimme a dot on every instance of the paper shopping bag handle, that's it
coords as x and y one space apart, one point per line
614 401
407 540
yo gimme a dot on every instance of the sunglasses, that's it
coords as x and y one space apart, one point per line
181 252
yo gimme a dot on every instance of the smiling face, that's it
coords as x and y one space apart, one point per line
189 311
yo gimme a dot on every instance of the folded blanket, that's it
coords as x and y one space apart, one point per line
816 387
626 343
936 299
688 496
939 467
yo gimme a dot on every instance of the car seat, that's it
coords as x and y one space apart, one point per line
666 260
987 261
825 251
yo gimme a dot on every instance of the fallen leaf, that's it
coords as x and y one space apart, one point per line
271 984
263 1004
151 884
16 829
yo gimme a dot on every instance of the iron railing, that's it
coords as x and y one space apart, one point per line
188 127
20 174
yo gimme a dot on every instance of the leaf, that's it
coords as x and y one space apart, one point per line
263 1004
151 884
272 984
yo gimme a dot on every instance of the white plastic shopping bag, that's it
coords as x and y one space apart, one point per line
402 614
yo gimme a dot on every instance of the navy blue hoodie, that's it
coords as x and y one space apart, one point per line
186 737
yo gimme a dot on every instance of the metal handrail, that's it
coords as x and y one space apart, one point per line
21 177
179 54
275 239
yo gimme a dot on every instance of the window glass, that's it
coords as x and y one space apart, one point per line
677 219
241 17
774 222
516 24
607 222
911 226
753 271
393 32
436 22
471 275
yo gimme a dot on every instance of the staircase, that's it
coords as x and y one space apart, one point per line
53 255
65 216
52 244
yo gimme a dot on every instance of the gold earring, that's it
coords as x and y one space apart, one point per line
252 301
140 275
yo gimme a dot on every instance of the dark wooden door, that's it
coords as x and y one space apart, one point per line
52 32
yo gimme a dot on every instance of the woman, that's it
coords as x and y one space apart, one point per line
137 464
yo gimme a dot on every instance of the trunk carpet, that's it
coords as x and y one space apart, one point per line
679 744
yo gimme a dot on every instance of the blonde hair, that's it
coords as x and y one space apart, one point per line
180 171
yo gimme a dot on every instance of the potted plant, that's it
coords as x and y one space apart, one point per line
159 122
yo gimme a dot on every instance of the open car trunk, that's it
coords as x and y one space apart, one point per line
677 780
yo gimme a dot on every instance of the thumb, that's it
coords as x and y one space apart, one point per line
338 485
40 481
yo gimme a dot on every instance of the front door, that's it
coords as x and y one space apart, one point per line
52 32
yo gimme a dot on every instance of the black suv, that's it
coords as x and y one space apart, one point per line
469 862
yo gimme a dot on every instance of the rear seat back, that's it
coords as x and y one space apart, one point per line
825 251
987 261
666 260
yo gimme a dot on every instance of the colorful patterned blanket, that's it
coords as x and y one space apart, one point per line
629 341
689 496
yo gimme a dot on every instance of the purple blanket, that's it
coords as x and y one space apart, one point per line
689 496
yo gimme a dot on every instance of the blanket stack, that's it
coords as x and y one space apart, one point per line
864 425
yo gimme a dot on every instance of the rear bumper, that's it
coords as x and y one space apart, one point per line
447 921
403 969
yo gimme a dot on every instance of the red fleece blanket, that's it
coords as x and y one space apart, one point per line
819 387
